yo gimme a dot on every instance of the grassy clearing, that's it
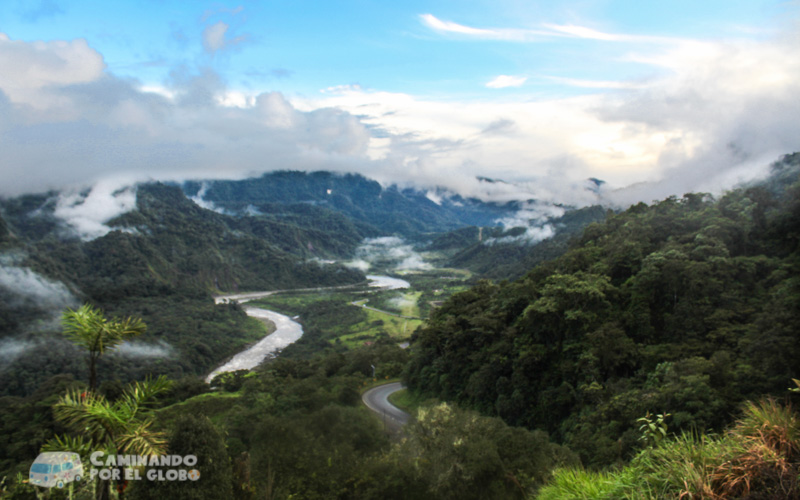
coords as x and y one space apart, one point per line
395 327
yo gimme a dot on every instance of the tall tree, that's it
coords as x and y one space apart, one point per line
120 427
88 327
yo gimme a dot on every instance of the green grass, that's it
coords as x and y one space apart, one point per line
568 484
408 401
398 328
412 309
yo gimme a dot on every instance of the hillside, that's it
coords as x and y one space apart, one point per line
493 258
689 306
162 261
406 212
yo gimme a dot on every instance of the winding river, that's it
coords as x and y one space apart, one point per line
286 331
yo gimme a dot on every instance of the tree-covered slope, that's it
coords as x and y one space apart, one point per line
169 244
688 306
162 262
496 259
389 210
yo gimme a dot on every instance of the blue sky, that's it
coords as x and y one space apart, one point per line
301 47
673 96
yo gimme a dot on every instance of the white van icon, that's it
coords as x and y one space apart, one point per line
56 468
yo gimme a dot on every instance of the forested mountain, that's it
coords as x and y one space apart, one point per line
687 306
495 259
162 261
165 258
407 212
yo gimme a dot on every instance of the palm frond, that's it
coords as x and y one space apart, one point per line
76 444
129 327
82 325
89 414
139 396
140 440
88 327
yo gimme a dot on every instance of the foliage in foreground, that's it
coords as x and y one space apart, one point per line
758 458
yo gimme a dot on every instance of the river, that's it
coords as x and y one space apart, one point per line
286 331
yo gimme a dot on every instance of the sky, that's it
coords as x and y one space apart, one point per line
655 98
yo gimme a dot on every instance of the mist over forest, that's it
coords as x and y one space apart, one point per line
451 250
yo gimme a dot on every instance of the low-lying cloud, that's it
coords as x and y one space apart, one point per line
26 288
87 213
390 251
535 217
143 350
402 302
12 348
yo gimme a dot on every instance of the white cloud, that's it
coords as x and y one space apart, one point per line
714 112
360 264
143 350
535 217
485 33
214 36
547 31
531 236
29 68
215 40
11 349
600 84
504 81
592 34
388 250
88 213
26 287
200 201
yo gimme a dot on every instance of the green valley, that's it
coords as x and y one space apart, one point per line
644 353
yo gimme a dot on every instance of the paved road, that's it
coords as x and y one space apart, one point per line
377 400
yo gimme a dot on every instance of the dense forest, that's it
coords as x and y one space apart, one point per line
407 212
687 306
161 262
618 365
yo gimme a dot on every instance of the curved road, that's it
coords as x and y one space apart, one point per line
377 400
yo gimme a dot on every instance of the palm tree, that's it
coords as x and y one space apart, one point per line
88 327
121 427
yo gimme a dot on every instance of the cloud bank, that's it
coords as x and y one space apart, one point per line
712 113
